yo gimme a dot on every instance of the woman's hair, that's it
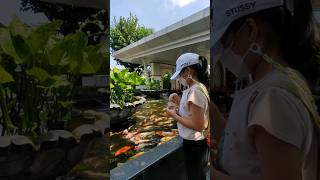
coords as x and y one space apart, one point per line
297 36
201 71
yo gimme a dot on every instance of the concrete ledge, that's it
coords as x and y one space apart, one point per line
162 162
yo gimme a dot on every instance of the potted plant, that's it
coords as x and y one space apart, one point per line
152 88
39 73
166 81
123 102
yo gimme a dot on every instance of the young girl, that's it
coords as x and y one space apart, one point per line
272 129
191 72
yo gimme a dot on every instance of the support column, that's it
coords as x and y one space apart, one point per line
156 71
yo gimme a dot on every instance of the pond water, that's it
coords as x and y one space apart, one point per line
147 128
94 164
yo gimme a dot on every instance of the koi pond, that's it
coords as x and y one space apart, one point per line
146 129
94 163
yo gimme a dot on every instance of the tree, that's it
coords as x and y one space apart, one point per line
124 32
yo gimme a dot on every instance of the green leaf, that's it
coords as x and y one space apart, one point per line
54 82
94 56
6 44
87 68
66 104
43 116
21 48
39 36
17 27
5 77
58 55
59 81
34 126
39 73
13 42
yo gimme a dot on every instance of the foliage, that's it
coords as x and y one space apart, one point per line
122 85
152 84
125 32
93 22
39 71
166 81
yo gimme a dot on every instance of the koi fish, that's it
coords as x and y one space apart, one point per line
143 145
166 138
161 133
137 155
123 150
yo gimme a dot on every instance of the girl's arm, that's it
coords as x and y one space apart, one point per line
279 160
195 121
218 122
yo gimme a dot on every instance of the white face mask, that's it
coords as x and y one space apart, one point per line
182 81
235 63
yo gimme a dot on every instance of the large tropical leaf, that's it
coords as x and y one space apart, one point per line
22 49
76 44
58 54
87 68
94 56
39 36
7 45
54 82
17 27
5 77
39 73
59 81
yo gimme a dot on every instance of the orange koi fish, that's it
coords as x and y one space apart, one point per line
123 150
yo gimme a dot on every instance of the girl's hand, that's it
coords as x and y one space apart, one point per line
175 98
171 111
172 105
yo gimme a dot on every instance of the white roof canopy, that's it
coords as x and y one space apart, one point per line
191 34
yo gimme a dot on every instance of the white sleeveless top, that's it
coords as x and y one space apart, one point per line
198 98
281 114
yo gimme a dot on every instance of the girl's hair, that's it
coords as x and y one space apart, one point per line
297 36
201 70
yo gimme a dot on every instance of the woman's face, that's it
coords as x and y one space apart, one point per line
186 73
239 41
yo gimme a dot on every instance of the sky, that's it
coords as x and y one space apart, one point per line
156 14
9 8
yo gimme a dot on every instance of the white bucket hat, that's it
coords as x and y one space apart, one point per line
226 11
183 61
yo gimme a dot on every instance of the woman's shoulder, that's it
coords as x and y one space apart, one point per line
199 95
280 100
199 87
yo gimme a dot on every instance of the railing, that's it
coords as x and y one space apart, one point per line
163 162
